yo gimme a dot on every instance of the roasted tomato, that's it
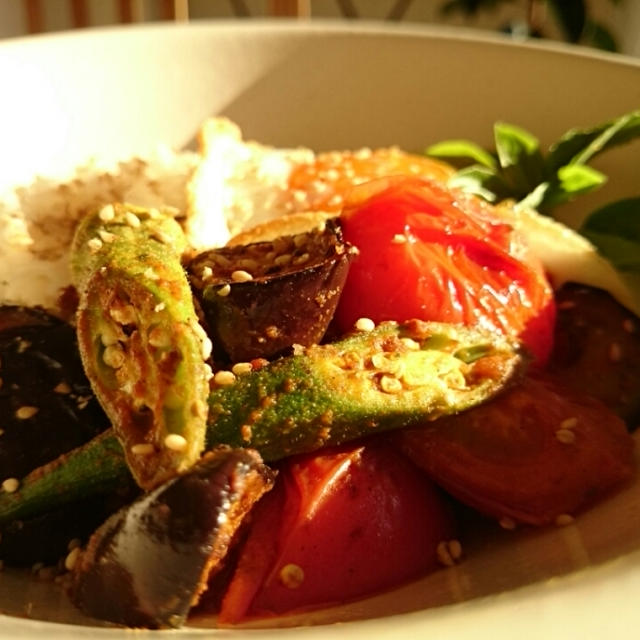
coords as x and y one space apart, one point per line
340 525
427 252
535 453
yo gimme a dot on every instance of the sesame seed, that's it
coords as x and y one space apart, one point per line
399 238
25 412
224 378
150 274
564 519
142 449
161 306
154 213
224 291
72 558
161 236
132 219
241 276
10 485
175 442
365 324
569 423
566 436
615 352
507 523
206 273
106 236
207 348
291 576
240 368
107 213
410 343
94 244
62 387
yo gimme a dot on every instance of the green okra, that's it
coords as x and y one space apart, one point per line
395 376
141 344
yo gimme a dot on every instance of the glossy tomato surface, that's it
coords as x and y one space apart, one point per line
430 253
339 525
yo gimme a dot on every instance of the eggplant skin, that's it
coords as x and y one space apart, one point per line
46 402
148 564
597 349
289 297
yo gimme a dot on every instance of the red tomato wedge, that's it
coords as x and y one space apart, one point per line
430 253
341 525
532 454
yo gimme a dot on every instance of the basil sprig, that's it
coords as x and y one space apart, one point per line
519 170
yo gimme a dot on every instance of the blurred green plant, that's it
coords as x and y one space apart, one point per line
573 17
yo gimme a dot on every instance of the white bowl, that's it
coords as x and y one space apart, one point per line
112 93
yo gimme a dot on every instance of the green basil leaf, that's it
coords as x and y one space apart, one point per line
615 230
481 181
581 145
520 158
464 149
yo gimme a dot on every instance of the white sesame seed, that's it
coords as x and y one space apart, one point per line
224 378
161 236
25 412
132 219
615 352
224 291
62 387
72 558
159 307
240 368
150 274
94 244
507 523
175 442
107 213
207 348
291 576
365 324
10 485
142 449
399 238
106 236
564 519
241 276
569 423
566 436
207 273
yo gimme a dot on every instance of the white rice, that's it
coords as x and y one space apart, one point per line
37 221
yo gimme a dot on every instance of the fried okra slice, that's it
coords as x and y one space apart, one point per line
141 344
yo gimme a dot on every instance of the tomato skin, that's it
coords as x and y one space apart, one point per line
356 520
429 253
533 453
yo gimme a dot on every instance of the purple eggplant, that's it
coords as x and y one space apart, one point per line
261 298
148 564
46 402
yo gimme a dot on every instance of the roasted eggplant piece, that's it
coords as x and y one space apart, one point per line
260 299
149 563
597 349
388 377
46 402
141 344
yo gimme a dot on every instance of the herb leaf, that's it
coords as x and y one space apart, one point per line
463 149
581 145
615 230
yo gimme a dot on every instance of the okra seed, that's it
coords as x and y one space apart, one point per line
10 485
564 519
224 291
389 384
615 352
94 244
123 314
71 559
150 274
142 449
507 523
106 236
113 356
175 442
240 368
569 423
566 436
